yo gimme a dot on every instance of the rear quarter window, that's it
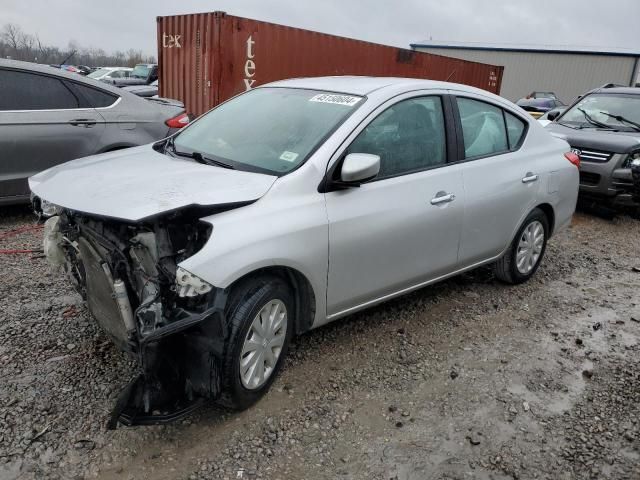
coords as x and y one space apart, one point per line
93 97
515 130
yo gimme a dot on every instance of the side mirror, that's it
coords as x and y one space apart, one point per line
359 167
552 116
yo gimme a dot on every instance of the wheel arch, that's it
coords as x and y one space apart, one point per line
301 289
547 209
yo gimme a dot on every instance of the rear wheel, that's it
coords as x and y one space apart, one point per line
260 319
526 251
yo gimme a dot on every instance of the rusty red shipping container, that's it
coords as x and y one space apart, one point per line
206 58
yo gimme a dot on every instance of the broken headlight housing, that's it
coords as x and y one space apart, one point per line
633 160
190 285
48 209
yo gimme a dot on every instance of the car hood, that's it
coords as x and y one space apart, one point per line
139 183
615 142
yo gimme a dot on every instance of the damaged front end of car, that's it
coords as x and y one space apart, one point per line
169 319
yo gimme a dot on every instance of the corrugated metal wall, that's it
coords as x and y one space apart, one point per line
568 75
206 58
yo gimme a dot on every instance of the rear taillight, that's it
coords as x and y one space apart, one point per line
180 121
573 158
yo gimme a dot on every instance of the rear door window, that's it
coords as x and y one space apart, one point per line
483 128
31 91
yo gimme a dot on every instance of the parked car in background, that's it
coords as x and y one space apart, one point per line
84 70
145 91
544 120
109 73
551 95
203 254
536 107
49 116
142 74
69 68
603 128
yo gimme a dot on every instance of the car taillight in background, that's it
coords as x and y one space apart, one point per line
573 158
180 121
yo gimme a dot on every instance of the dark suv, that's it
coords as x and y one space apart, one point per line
603 128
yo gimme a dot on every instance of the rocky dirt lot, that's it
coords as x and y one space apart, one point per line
468 379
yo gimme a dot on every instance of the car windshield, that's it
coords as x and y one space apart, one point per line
271 130
99 73
140 71
616 111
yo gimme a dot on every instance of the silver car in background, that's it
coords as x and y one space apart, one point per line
288 207
49 116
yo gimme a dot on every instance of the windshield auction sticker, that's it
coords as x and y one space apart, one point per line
289 156
347 100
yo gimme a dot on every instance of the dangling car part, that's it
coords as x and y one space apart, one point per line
171 320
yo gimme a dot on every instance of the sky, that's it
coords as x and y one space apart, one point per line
120 25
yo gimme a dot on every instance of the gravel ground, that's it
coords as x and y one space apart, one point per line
465 379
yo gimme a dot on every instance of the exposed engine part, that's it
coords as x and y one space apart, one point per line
129 276
52 242
190 285
120 293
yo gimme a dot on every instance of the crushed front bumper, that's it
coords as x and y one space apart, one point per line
180 369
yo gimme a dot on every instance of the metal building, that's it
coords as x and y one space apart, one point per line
568 72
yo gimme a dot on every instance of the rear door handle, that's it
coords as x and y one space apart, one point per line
442 197
529 177
83 122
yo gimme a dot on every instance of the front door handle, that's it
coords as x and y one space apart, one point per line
82 122
529 177
442 197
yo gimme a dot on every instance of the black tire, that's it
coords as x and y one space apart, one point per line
244 303
505 269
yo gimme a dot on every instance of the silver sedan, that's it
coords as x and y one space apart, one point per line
290 206
49 116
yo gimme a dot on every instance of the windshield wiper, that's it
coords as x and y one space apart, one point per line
620 118
565 124
594 122
197 156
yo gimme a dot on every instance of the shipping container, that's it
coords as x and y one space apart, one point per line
206 58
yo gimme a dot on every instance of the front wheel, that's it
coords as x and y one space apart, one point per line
260 316
523 257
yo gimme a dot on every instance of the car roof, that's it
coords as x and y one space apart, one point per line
357 85
626 90
39 68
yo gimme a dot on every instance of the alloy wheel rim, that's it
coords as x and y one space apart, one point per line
263 344
530 247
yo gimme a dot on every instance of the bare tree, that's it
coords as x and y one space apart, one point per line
11 33
17 44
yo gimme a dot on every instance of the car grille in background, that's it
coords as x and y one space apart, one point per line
588 178
593 155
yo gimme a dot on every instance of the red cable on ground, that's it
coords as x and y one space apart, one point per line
16 231
17 251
